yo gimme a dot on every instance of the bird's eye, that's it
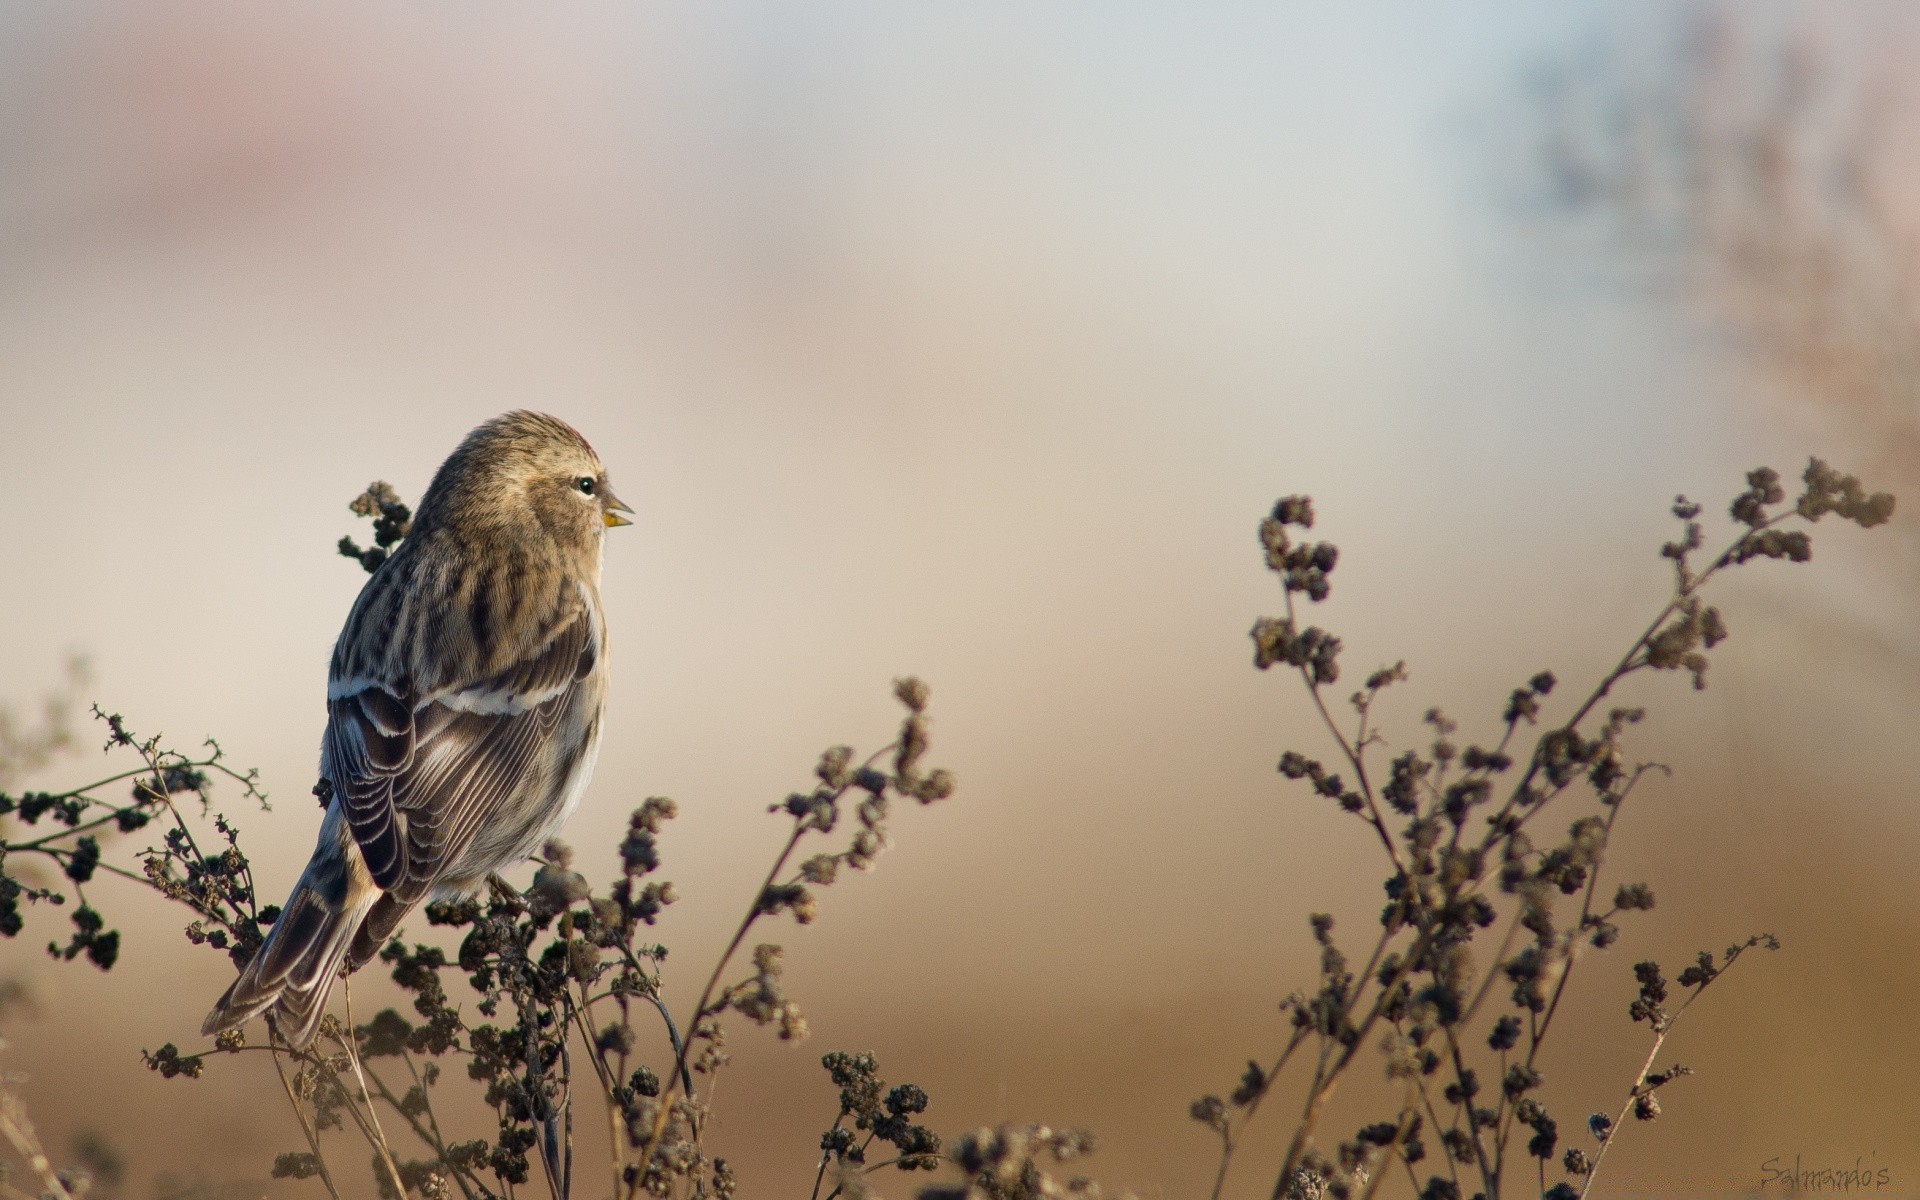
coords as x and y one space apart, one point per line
585 485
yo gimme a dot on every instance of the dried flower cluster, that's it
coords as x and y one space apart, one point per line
872 1118
1010 1163
391 520
53 852
1468 852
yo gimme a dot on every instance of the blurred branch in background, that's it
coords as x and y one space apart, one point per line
1749 160
16 1128
24 747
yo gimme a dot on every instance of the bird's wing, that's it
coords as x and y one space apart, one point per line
418 774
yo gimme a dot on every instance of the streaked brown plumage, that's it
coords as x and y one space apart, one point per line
463 708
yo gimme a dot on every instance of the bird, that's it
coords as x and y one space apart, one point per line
464 709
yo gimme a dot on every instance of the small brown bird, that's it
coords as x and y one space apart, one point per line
463 708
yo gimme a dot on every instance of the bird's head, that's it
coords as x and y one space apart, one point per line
522 474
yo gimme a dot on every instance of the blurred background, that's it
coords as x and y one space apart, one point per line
973 341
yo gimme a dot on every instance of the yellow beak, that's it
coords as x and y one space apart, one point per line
613 510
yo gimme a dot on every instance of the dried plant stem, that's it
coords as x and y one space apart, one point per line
1577 933
825 1156
1523 803
1355 754
300 1114
438 1140
429 1133
1633 1093
700 1009
1408 1115
18 1129
1493 971
1327 1078
1687 586
1661 1030
583 1017
1228 1141
666 1018
703 1008
566 1112
551 1166
1489 1169
379 1138
1503 1112
1433 1115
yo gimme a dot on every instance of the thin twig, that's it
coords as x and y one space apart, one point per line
18 1129
430 1133
825 1156
300 1114
347 1039
582 1014
1229 1143
1323 1088
700 1010
1639 1088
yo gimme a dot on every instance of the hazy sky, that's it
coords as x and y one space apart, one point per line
969 341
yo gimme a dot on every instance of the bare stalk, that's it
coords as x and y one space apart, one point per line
1229 1142
1642 1089
18 1129
347 1039
300 1114
701 1008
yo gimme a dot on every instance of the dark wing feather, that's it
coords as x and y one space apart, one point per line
364 755
419 776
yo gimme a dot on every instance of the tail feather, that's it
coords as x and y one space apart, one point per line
294 969
381 921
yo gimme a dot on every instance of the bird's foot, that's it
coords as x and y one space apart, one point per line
505 893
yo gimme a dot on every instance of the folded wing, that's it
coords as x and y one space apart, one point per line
418 775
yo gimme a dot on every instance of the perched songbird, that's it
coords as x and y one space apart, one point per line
463 708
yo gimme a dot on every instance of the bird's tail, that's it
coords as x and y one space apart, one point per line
294 968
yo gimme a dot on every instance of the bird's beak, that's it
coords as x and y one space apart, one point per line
613 510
